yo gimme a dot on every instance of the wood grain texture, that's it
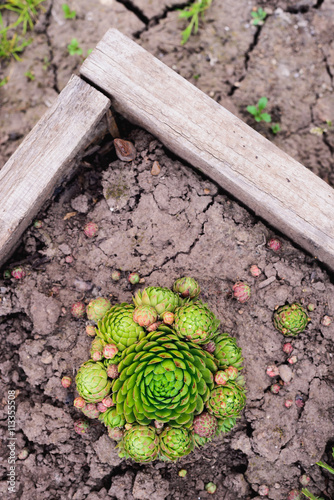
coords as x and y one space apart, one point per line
192 125
30 176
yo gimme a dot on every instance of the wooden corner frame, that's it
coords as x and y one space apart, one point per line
271 183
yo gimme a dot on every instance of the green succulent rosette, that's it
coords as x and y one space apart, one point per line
117 327
227 352
97 308
226 400
96 349
92 381
162 378
194 321
141 443
291 319
187 287
175 443
162 299
111 418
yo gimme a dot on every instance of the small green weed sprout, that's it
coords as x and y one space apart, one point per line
305 491
193 12
259 116
4 81
256 111
68 13
275 128
27 11
12 46
74 48
258 16
30 75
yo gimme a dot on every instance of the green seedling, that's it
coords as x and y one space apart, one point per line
305 491
275 128
30 75
68 13
193 12
258 16
74 48
256 111
27 11
13 46
3 81
46 63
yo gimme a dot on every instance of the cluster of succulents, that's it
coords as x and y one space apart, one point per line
161 377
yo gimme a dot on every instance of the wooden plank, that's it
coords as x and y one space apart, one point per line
192 125
29 177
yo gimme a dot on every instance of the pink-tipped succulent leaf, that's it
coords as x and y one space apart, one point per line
221 377
81 426
110 351
97 308
91 229
79 402
168 318
241 291
145 315
78 310
255 271
205 425
18 273
66 382
133 278
274 244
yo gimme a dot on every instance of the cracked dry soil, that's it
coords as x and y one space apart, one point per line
165 226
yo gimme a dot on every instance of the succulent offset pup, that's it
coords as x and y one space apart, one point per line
155 371
291 319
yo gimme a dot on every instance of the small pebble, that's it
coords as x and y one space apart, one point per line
155 168
285 373
125 150
46 357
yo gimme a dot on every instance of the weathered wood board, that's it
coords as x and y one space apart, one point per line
29 177
199 130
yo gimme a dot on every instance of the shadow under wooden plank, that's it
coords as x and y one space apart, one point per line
30 176
199 130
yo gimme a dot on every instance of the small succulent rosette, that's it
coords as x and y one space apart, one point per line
162 378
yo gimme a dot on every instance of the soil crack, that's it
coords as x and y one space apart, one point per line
248 53
52 65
